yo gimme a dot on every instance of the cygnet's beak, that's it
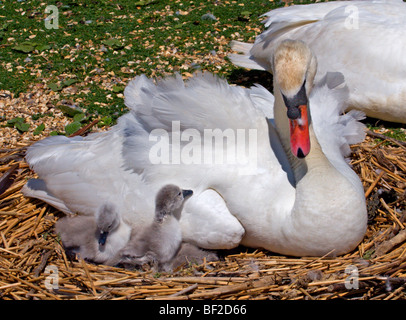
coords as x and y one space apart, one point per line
103 237
186 193
298 123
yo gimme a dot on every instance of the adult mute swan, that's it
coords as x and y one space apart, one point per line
364 40
249 186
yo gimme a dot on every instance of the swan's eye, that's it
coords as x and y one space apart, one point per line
179 193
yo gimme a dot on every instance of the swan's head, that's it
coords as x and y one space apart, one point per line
294 68
169 199
107 220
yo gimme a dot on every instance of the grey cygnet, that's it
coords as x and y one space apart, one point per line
95 238
189 254
160 242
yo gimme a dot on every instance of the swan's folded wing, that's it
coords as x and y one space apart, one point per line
73 171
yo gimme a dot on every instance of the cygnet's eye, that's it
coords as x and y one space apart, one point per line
180 192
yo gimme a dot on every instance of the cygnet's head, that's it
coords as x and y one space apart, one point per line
168 199
107 220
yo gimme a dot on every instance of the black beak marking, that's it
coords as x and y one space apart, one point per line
300 153
293 113
294 102
187 193
103 237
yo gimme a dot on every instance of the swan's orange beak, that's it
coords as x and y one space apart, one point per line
299 133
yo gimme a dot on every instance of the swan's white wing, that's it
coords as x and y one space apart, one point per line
203 103
188 112
78 174
116 166
36 188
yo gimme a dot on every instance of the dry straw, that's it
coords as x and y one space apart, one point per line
33 263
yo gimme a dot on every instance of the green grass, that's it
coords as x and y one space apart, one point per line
396 131
101 44
120 41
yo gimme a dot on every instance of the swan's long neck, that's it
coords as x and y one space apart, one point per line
316 159
299 167
314 227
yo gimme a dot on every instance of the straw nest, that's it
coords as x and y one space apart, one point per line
33 263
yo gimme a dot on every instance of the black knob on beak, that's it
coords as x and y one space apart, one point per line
103 237
187 193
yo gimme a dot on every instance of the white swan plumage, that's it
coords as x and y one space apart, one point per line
311 206
364 40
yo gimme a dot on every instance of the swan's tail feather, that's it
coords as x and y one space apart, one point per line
50 157
281 21
241 47
36 188
243 59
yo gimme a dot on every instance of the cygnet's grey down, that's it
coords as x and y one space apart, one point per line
189 254
95 238
160 242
